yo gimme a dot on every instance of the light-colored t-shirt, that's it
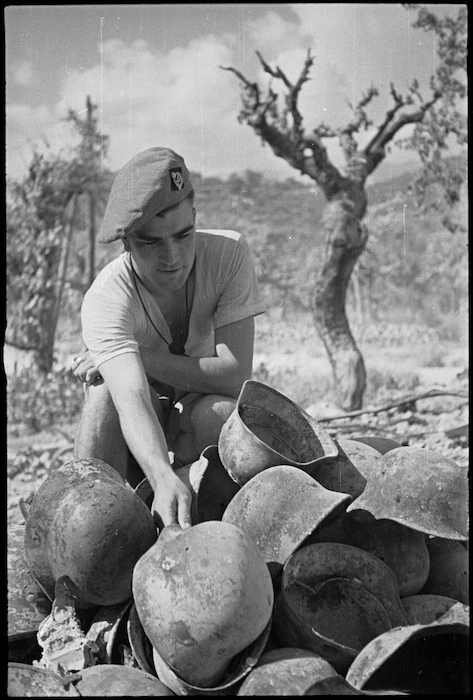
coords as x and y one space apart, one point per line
226 290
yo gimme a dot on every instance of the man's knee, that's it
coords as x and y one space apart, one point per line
208 415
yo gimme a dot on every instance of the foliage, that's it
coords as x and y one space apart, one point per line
440 181
37 401
36 216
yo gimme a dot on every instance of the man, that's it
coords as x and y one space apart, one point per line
169 328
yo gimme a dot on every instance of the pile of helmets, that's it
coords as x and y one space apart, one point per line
313 566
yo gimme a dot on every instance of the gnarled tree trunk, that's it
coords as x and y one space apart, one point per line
345 239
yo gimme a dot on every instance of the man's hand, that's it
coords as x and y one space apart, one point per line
172 502
85 370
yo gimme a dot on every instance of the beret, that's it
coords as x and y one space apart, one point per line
150 182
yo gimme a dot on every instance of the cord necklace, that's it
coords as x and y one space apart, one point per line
175 347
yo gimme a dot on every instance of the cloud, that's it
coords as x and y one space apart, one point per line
22 73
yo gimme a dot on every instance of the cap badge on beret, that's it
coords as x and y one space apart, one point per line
177 180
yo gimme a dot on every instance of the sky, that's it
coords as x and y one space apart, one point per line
154 71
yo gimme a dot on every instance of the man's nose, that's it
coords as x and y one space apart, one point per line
169 252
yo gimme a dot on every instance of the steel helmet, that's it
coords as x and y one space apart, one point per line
449 569
420 489
417 659
279 507
115 680
25 680
202 597
335 598
267 429
28 605
424 608
404 550
87 524
348 471
285 671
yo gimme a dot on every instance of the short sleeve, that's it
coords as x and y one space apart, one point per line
107 326
239 292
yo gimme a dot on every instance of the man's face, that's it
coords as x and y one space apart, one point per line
163 250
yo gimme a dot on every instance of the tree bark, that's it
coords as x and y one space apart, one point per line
345 239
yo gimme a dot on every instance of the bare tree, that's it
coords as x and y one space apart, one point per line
275 117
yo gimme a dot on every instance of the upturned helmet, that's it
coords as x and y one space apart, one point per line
420 489
334 599
417 659
267 429
202 597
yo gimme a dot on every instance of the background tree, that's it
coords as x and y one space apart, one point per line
43 211
89 171
277 120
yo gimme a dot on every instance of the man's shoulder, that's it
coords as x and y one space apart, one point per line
216 235
114 272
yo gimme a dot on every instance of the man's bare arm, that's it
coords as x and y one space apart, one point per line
127 383
222 374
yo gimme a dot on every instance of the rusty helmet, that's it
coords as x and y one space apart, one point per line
87 524
115 680
417 659
418 488
404 550
335 598
202 597
449 569
28 605
279 507
266 429
286 671
25 680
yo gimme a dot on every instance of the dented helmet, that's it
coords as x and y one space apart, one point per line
267 429
420 489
